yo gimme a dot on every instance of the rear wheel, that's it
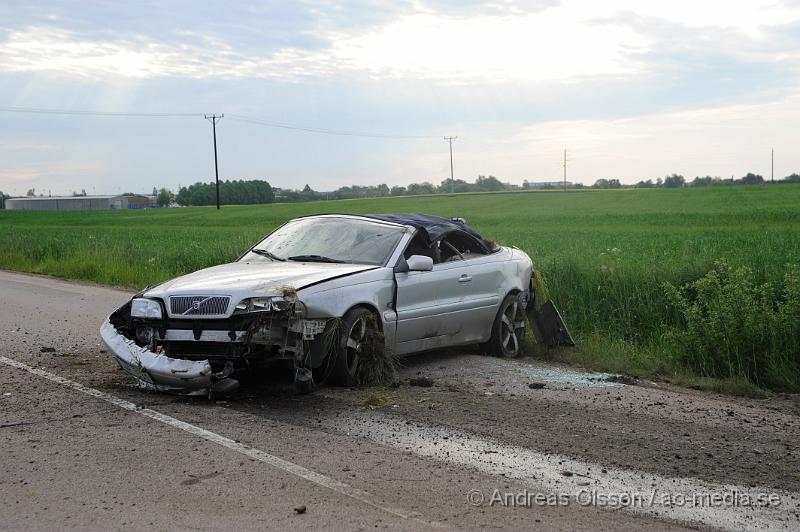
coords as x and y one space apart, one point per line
508 329
353 334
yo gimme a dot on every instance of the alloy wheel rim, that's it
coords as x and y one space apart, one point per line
512 327
355 341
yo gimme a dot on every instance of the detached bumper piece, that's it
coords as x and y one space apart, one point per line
548 326
158 372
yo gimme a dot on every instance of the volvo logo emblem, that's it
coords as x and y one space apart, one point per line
195 305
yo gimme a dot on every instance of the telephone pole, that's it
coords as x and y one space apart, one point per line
452 181
772 164
565 170
214 118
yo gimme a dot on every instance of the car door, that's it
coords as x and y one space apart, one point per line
426 303
484 296
476 312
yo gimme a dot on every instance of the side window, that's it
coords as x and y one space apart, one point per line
448 251
417 246
460 246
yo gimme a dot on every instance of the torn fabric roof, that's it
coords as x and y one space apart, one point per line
434 226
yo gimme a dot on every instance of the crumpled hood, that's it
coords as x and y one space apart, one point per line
247 279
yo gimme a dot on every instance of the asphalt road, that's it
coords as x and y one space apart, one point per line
485 446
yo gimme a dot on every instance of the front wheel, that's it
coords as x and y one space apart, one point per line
508 329
353 336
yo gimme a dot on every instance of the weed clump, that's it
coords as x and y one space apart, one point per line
378 400
377 363
540 293
289 292
730 327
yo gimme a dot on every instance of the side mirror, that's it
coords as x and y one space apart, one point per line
419 263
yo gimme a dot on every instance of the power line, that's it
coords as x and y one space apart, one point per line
238 118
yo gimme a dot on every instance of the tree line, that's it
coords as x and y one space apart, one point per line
481 184
678 181
238 192
244 192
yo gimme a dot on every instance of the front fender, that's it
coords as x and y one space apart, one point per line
331 301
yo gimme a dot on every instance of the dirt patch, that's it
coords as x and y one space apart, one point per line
622 379
423 382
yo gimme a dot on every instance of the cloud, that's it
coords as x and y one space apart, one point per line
45 49
488 49
634 89
440 41
678 41
262 26
472 8
721 140
704 61
751 17
491 49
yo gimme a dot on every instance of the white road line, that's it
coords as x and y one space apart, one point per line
256 454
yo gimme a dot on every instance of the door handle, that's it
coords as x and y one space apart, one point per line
464 278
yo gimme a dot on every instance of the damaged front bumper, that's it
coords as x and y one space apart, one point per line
190 356
159 372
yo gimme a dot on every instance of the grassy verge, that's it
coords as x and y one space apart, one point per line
606 257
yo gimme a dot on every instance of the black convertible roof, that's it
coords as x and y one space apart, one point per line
434 227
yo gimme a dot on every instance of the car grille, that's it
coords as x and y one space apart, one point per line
199 305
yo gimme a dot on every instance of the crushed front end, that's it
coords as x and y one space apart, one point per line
195 344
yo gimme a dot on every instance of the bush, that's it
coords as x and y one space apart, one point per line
731 327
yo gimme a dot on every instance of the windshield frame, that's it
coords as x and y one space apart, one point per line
390 258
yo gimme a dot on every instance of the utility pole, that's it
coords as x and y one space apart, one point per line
452 181
565 170
214 119
772 164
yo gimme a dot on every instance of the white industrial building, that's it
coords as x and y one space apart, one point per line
79 203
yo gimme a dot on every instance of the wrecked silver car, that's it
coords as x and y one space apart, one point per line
320 291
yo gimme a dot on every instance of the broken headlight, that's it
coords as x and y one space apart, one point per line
146 308
262 304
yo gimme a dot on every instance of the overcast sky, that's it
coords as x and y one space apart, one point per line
633 89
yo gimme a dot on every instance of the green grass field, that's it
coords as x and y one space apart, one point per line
605 256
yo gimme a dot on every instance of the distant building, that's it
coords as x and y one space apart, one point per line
546 184
79 203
